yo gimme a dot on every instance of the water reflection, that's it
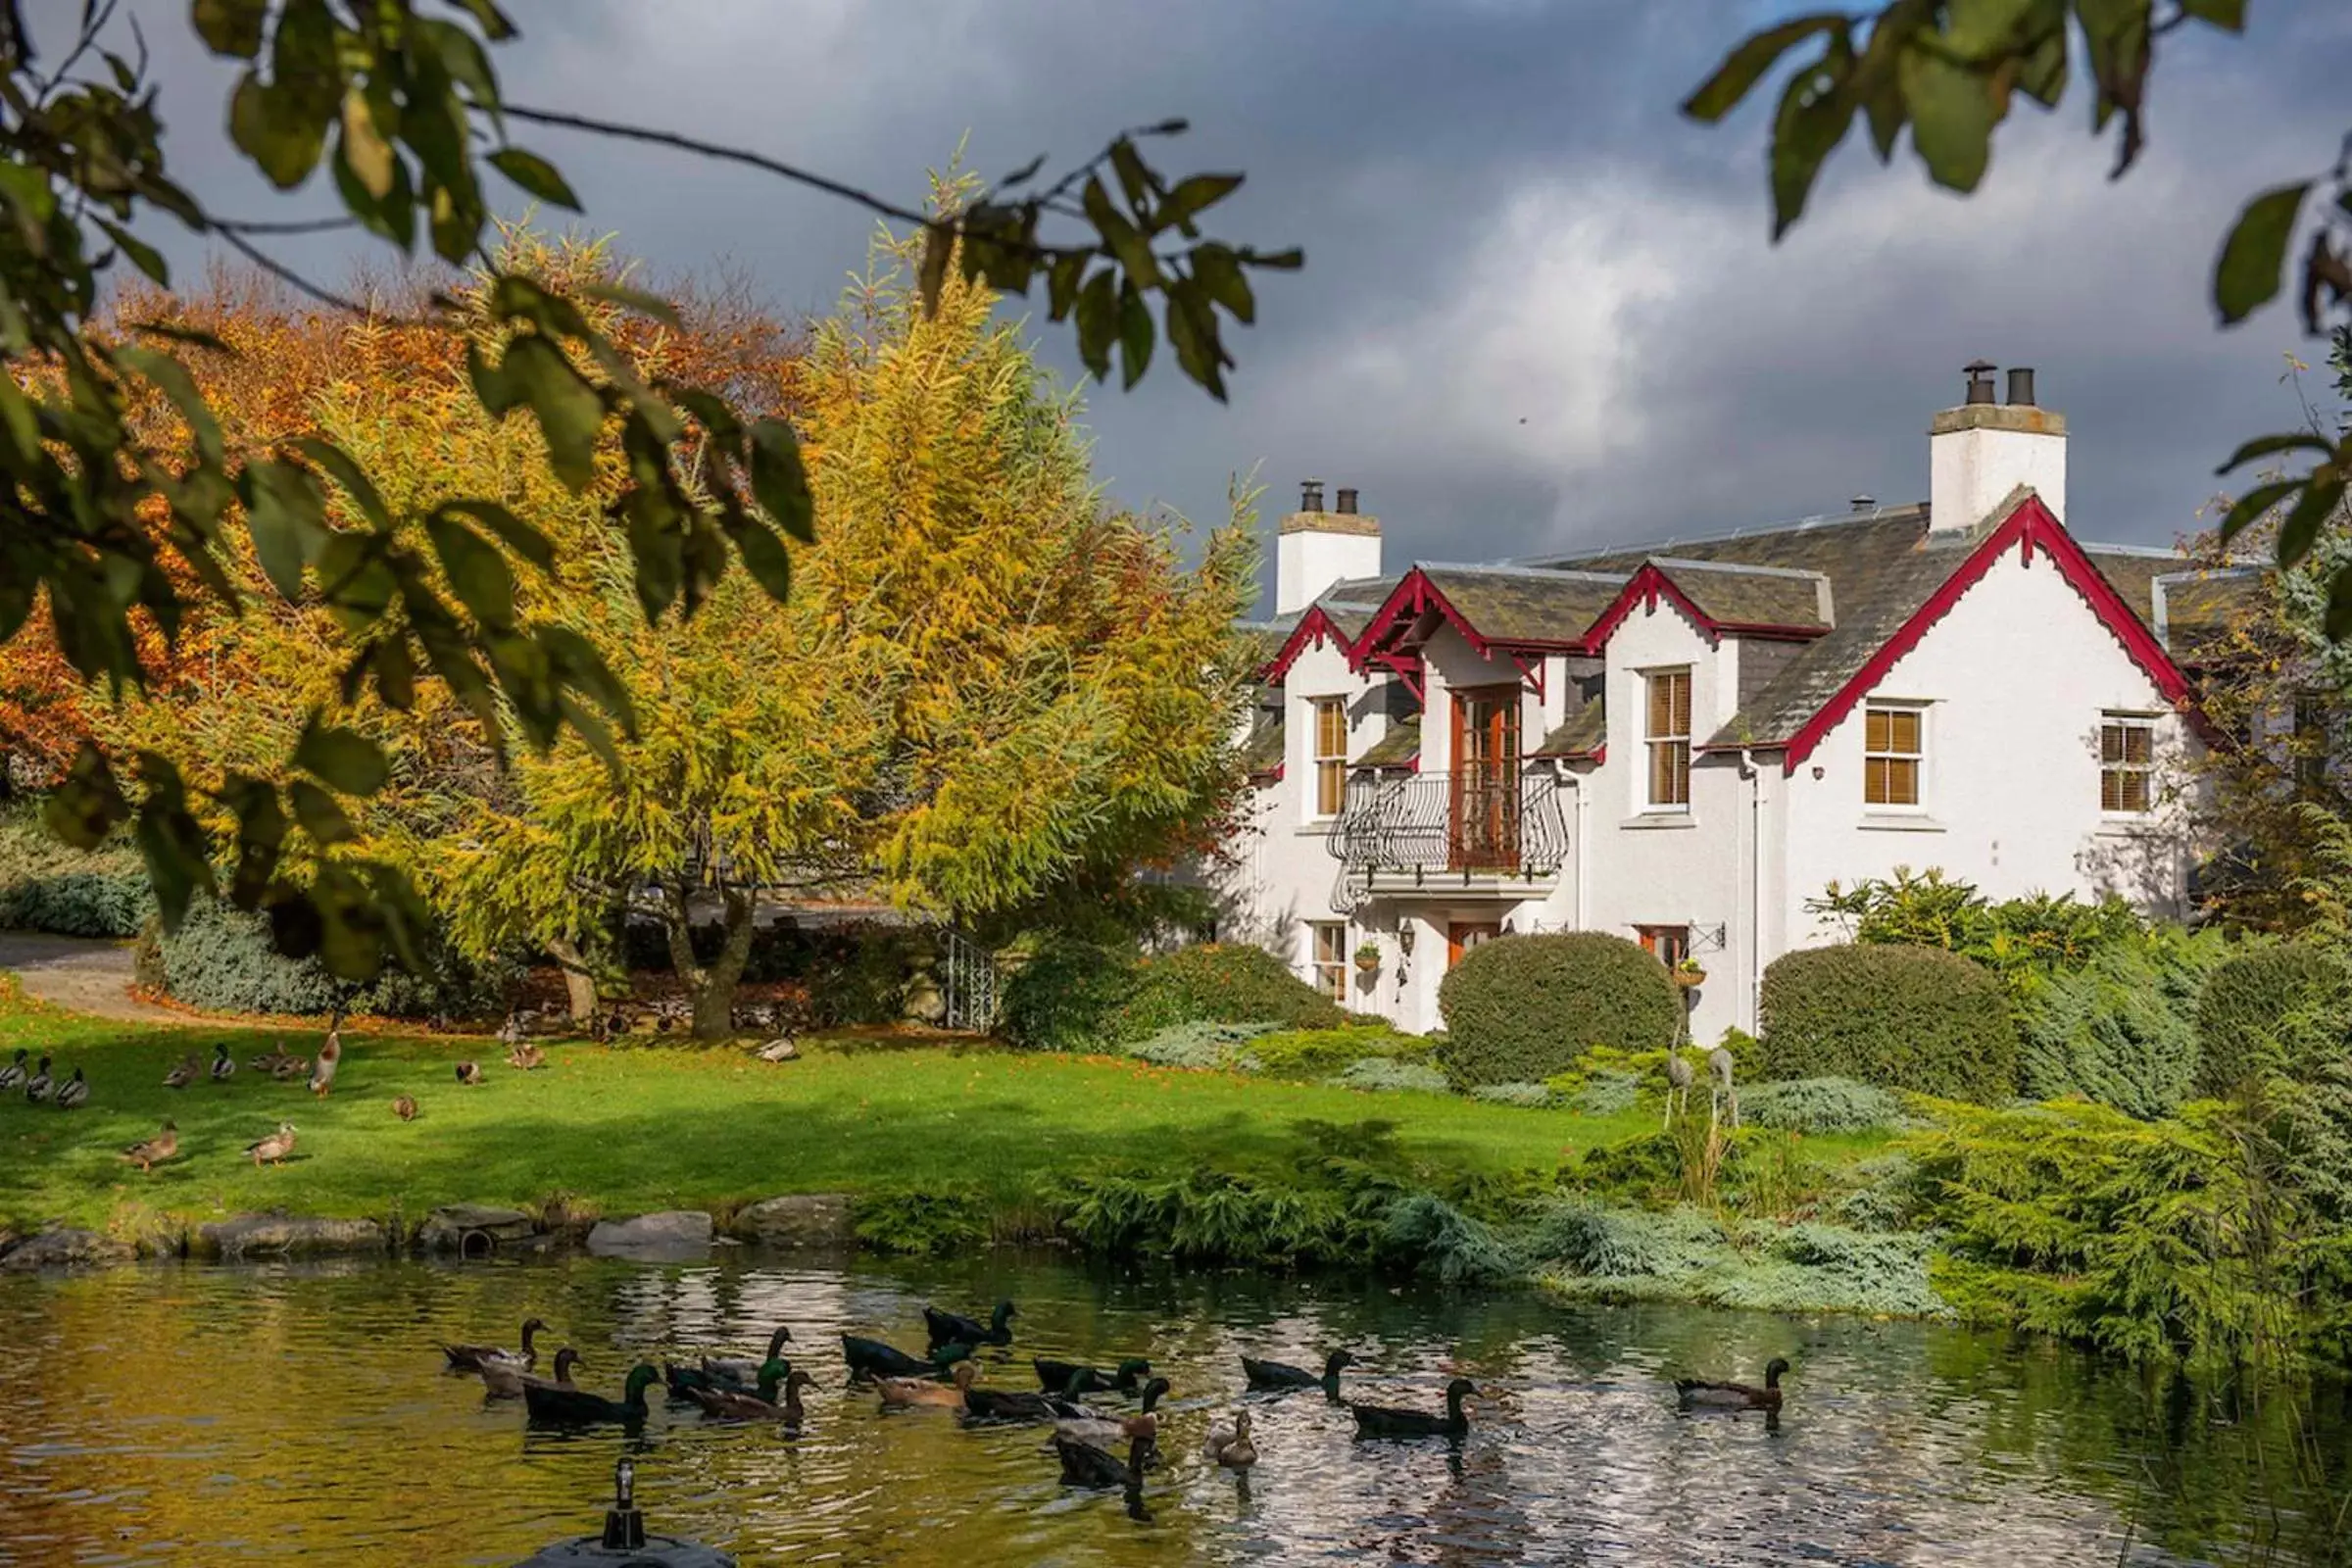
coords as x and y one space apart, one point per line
224 1416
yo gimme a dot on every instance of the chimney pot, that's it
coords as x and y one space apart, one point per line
1347 500
1863 502
1979 381
1310 495
2021 385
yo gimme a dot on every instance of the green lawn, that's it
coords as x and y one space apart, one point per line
628 1130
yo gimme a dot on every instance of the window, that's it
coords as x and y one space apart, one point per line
1671 943
2127 763
1331 755
1893 744
1669 737
1331 958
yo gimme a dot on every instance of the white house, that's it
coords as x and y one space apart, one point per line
1684 744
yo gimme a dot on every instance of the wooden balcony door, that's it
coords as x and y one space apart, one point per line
1484 817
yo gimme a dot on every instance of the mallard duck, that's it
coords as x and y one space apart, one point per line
471 1357
1105 1430
953 1328
268 1062
510 1033
781 1048
1229 1443
900 1392
13 1076
1084 1465
1069 1376
470 1072
744 1369
73 1092
289 1068
272 1149
149 1152
1264 1375
1386 1421
734 1404
506 1379
186 1073
871 1359
1735 1396
331 1056
525 1056
38 1086
225 1066
405 1108
549 1403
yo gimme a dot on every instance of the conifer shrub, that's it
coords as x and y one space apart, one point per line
1065 998
1533 1097
1821 1106
1378 1074
1203 1045
2121 1029
1523 1009
2284 1008
1311 1054
1900 1017
1221 983
221 960
46 885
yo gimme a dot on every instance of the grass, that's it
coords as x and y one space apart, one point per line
628 1130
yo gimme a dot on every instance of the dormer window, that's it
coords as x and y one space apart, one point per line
1668 736
1331 755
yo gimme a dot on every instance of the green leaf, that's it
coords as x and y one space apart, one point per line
231 27
2249 507
1097 322
1135 332
1221 279
765 559
1193 196
931 275
2229 15
172 380
277 133
2322 493
2264 446
342 757
1746 63
172 843
1952 115
536 176
514 533
634 299
492 22
2254 257
321 817
143 255
261 835
1121 238
479 575
570 414
84 809
780 479
282 510
350 476
2339 626
363 148
394 673
1813 118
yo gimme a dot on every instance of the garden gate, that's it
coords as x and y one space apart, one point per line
968 984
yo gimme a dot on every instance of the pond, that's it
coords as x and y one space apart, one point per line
216 1417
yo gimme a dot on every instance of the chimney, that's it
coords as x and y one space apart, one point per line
1981 452
1863 502
1315 547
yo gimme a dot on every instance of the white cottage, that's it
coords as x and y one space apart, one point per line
1685 744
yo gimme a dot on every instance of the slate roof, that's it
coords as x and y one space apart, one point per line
1397 748
1740 595
2196 608
1351 604
1578 735
1520 604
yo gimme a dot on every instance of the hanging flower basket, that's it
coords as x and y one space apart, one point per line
1367 958
1689 975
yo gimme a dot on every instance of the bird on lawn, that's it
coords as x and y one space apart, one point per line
289 1068
1105 1430
38 1086
224 1066
13 1076
149 1152
900 1392
331 1056
1084 1465
73 1092
405 1108
1069 1376
1280 1375
1696 1394
781 1048
268 1062
510 1033
1388 1421
525 1056
274 1150
953 1328
186 1073
506 1380
470 1072
577 1406
1229 1443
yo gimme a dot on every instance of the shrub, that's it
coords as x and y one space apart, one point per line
1821 1106
1307 1054
1606 1092
1886 1194
923 1222
2037 934
1898 1018
1064 997
49 886
1523 1009
2280 1008
1381 1073
220 959
1199 1045
1532 1096
1220 983
2121 1030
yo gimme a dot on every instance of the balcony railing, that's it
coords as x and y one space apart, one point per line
1485 823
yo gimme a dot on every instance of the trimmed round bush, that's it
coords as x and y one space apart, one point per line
1523 1009
1898 1018
1064 997
2280 1008
1076 996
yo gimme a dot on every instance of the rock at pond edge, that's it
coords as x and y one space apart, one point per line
286 1236
454 1227
799 1220
672 1235
66 1248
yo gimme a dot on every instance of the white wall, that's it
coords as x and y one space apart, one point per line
1308 561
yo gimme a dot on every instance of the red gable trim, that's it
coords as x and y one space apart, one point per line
2030 525
1313 626
1650 584
1415 596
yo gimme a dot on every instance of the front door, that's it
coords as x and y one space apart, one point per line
1463 934
1484 832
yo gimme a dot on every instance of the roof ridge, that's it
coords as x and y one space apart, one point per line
1688 563
1508 568
1807 525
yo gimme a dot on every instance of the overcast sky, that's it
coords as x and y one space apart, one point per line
1539 309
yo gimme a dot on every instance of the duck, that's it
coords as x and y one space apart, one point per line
953 1328
290 1068
1084 1465
506 1379
1105 1430
1001 1405
225 1066
733 1404
871 1359
13 1076
37 1087
746 1369
331 1056
274 1150
1386 1421
901 1393
470 1072
186 1073
405 1108
1281 1375
73 1092
268 1062
550 1403
525 1056
1229 1445
149 1152
781 1048
1069 1376
471 1357
1693 1393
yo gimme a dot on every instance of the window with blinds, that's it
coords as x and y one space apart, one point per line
1894 746
1331 755
1668 733
2126 764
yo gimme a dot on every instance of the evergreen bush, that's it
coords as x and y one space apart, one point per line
49 886
1065 996
1900 1017
2282 1007
1821 1106
1605 1092
1203 1045
221 960
1530 1096
2122 1029
1221 983
1376 1074
1310 1053
1523 1009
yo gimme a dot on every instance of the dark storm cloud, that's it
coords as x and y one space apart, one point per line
1540 309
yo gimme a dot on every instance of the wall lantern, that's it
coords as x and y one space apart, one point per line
1404 937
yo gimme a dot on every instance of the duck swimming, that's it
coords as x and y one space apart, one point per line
1280 1375
547 1402
1696 1394
1388 1421
506 1380
1084 1465
1069 1376
469 1357
871 1359
951 1328
1229 1445
746 1369
731 1405
902 1392
1105 1430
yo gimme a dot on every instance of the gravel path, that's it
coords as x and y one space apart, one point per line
82 974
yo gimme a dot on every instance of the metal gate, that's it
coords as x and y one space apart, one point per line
968 984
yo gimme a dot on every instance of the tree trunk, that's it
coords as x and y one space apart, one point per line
579 986
711 988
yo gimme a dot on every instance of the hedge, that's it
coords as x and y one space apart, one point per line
2279 1009
221 960
1076 996
1521 1009
1898 1018
46 885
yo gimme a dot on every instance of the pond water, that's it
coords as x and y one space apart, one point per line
218 1416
